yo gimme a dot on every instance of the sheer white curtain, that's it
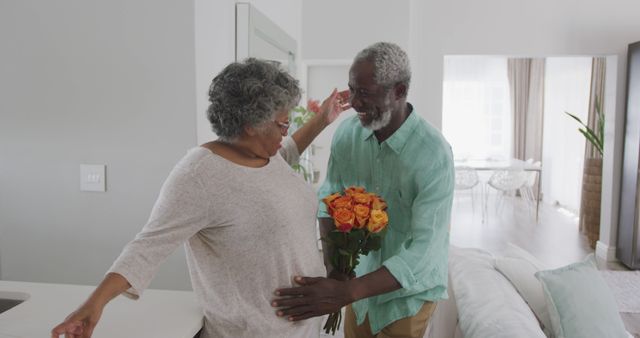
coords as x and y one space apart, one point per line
526 79
476 113
567 88
596 97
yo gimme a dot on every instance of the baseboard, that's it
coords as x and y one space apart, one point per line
605 252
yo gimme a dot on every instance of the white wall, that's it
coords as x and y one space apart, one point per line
215 26
90 82
120 83
567 86
334 29
500 27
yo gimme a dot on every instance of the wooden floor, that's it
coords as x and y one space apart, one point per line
554 238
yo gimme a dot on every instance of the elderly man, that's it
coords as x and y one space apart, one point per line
390 150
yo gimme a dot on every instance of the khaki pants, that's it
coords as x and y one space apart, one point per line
410 327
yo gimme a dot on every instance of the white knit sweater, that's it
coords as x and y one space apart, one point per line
246 231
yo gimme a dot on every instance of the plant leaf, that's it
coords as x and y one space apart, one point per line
576 118
373 243
356 235
344 252
338 238
592 139
327 240
596 140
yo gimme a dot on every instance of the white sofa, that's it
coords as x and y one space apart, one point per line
483 302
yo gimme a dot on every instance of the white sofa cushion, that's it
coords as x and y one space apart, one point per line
488 305
580 302
519 267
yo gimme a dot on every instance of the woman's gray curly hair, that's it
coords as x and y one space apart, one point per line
390 62
249 93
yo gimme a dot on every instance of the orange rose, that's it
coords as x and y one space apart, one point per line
352 190
342 202
378 203
344 219
362 215
377 221
327 201
330 198
362 198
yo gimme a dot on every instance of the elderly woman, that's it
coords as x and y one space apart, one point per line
247 221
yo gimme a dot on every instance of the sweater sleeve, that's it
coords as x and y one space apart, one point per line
330 185
179 213
289 151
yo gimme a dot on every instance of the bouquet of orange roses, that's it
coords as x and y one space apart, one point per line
359 218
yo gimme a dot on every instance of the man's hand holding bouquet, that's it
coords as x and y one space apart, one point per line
359 218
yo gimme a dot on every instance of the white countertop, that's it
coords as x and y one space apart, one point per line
157 314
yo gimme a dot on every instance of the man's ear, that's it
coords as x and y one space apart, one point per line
400 91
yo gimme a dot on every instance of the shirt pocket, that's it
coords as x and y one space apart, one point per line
400 211
404 198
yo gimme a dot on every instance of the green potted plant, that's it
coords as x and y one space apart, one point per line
595 137
592 177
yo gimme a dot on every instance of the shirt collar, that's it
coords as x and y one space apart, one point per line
367 133
400 137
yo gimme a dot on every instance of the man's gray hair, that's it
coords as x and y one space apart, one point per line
249 93
390 62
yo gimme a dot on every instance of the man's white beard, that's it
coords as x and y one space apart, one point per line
381 122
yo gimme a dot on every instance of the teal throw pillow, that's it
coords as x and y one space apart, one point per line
580 303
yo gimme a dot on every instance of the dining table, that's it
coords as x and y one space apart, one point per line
503 164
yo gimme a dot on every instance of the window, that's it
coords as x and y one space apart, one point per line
476 108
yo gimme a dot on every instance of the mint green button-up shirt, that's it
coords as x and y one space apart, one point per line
413 171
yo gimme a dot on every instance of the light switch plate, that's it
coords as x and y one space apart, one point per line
93 177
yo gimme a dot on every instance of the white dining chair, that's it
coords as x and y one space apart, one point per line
466 180
527 189
507 183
